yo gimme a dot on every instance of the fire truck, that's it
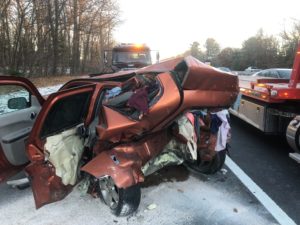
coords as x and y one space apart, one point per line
272 105
128 56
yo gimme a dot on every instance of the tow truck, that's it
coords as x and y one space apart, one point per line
128 56
272 105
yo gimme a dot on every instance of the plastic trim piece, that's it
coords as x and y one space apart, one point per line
16 136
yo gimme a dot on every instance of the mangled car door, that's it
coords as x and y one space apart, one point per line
20 102
57 141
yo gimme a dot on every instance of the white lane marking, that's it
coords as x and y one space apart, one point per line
265 200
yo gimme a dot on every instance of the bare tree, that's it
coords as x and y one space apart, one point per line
41 37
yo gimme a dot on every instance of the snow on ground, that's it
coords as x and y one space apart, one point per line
180 198
49 90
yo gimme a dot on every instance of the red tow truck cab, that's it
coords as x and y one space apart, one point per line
272 105
128 56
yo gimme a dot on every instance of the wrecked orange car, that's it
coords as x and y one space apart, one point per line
113 130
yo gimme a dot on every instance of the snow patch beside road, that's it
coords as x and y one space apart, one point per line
180 198
49 90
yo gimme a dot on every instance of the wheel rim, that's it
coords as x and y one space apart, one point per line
109 191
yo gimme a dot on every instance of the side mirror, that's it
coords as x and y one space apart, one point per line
17 103
157 57
105 60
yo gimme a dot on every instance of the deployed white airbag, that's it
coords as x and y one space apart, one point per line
175 152
186 129
65 150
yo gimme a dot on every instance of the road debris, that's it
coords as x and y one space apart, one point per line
224 171
151 206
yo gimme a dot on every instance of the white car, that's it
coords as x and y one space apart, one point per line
282 73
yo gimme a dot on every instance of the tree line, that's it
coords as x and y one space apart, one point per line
261 51
43 37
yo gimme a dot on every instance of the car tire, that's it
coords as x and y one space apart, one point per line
121 201
208 167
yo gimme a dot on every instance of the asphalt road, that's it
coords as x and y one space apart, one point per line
265 160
